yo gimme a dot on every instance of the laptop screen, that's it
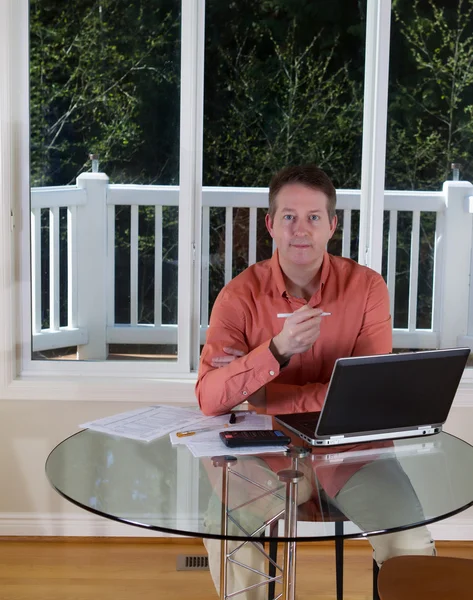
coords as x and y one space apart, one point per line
391 391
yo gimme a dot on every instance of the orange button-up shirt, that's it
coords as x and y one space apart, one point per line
244 316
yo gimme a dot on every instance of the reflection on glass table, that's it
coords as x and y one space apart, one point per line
379 487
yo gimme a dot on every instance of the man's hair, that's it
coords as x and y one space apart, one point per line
309 175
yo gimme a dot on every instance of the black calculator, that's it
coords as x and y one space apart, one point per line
258 437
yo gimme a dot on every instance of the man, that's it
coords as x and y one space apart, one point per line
284 366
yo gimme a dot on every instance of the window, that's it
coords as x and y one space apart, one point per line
429 131
104 81
289 90
208 154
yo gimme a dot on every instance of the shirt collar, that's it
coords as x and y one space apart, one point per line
279 278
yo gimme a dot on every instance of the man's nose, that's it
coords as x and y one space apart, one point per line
301 228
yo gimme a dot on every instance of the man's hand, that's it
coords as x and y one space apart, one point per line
230 355
299 333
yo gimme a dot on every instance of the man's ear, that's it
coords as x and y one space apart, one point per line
269 224
333 226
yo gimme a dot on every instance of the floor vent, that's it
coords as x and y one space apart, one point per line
192 562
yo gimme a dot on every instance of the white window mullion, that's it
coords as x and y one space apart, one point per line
190 179
375 101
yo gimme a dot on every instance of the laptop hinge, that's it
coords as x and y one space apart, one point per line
424 427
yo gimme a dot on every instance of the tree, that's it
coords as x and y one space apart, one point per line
431 97
93 78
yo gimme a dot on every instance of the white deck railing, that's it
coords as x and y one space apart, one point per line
91 223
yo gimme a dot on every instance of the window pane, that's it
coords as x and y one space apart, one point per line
429 128
104 79
283 85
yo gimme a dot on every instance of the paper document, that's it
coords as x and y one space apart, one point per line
208 443
218 448
245 421
149 423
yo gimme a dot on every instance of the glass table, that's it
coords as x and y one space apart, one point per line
290 496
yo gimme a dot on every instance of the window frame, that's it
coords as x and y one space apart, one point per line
23 378
20 376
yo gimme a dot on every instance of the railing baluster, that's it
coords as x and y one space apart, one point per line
228 243
54 268
111 232
134 265
414 270
36 268
346 235
72 266
252 199
392 249
438 270
158 264
252 233
205 277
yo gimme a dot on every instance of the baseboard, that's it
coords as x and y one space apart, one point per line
457 528
68 525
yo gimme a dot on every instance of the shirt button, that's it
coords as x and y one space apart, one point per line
244 392
271 373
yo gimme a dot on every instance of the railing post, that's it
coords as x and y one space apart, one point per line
455 283
92 266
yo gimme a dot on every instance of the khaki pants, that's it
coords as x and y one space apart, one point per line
380 492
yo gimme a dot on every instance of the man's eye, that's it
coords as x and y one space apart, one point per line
314 217
288 217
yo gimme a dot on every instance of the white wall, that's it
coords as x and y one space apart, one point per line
29 430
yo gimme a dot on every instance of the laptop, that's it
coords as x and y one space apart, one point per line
387 396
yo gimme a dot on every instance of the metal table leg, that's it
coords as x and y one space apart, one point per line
224 462
291 478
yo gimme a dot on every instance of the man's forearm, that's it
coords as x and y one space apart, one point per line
219 390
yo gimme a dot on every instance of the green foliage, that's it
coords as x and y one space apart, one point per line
93 82
431 96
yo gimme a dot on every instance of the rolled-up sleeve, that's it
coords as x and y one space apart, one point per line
219 390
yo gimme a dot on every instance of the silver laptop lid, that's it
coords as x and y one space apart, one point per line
391 392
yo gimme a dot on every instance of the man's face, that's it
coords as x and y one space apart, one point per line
301 226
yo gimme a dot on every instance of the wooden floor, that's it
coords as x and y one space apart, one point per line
106 569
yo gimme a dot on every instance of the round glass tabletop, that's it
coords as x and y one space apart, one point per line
341 492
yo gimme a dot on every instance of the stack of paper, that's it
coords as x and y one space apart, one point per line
147 424
208 443
152 422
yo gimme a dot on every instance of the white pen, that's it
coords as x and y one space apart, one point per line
285 315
